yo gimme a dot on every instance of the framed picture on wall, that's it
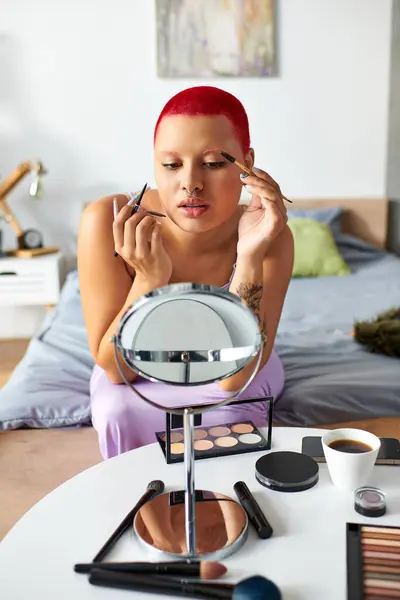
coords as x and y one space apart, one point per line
215 38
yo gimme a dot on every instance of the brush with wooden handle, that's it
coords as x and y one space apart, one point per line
245 169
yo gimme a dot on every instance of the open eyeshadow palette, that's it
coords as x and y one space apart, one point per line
217 440
373 562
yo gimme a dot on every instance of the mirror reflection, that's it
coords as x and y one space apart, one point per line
161 523
188 338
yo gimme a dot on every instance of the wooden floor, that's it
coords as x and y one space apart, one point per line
35 462
11 352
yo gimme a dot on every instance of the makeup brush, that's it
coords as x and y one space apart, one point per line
154 488
115 211
133 196
153 212
253 588
245 169
136 200
186 570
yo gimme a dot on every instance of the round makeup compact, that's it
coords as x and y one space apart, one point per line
287 471
370 501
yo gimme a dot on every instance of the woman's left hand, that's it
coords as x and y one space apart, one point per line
265 216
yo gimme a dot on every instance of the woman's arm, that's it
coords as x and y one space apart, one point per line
262 285
106 288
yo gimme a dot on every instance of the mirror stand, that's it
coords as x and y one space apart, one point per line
190 496
187 335
191 524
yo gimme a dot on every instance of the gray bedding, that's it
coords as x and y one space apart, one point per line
329 377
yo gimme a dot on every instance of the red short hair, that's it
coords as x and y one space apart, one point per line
207 100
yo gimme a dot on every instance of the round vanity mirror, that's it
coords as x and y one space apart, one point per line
188 335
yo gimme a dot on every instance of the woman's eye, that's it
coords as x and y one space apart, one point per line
210 165
171 166
215 165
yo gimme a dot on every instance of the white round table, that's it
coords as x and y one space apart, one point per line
305 557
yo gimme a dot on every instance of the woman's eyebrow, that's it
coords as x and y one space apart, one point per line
211 150
177 153
168 152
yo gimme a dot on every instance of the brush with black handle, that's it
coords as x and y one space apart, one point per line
252 588
182 569
154 488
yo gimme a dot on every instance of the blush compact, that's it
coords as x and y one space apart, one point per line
217 440
285 471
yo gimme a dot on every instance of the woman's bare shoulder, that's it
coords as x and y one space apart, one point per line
104 205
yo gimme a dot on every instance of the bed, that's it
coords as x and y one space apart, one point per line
329 376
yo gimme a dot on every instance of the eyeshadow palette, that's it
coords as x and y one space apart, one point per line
217 440
373 562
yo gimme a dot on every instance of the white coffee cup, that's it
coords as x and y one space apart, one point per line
348 470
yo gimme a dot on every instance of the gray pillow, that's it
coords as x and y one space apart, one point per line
354 251
330 215
50 385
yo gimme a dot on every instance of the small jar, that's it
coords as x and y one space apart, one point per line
370 501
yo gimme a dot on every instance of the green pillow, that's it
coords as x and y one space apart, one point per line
315 250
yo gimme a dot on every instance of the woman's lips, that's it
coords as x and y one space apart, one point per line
193 208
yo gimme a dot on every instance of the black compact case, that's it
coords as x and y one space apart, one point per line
286 471
216 440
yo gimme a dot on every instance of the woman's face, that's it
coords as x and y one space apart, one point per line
198 188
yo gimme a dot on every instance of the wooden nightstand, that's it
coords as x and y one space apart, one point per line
31 281
28 286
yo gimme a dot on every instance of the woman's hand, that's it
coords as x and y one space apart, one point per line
137 239
264 218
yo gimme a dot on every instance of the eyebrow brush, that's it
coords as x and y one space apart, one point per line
245 169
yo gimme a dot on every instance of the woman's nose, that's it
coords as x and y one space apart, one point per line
191 182
191 190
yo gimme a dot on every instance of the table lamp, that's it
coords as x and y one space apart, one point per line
29 241
189 334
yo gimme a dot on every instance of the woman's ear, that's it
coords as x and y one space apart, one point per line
249 158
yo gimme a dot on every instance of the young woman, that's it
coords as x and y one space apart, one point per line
207 237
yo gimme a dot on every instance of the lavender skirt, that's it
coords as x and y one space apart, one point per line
124 421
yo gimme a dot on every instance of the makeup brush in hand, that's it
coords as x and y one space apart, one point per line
245 169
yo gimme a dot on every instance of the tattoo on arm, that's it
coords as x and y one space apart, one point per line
251 294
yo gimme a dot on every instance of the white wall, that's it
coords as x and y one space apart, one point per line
79 90
393 158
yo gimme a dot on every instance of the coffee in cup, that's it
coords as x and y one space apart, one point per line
350 455
352 446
